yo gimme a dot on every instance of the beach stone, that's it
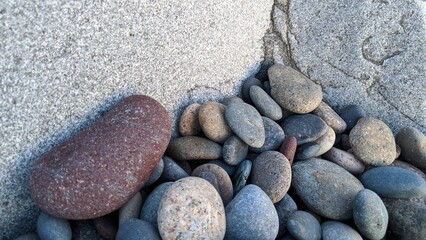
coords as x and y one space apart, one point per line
227 101
397 151
135 229
274 136
107 225
413 146
156 174
150 207
212 120
123 149
372 142
172 171
53 228
246 88
132 209
305 128
191 208
370 215
234 150
292 90
288 148
246 123
351 114
267 87
251 216
394 182
241 175
194 148
29 236
188 122
285 207
230 169
326 113
223 180
84 230
307 150
344 159
344 142
325 187
211 178
402 164
185 166
326 141
265 104
271 171
303 226
334 230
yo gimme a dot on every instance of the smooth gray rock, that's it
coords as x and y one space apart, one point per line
284 208
150 208
29 236
194 148
228 168
351 114
132 209
305 128
405 165
413 146
156 174
274 136
251 216
241 175
136 229
247 86
394 182
211 178
303 226
326 188
172 171
326 141
334 230
307 150
52 228
265 104
234 150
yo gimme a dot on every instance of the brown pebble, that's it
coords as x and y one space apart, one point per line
194 148
288 148
188 123
212 120
329 116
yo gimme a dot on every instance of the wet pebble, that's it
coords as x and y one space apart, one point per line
52 228
188 123
334 230
413 146
351 114
326 113
344 159
194 148
234 150
303 226
212 121
265 104
305 128
136 229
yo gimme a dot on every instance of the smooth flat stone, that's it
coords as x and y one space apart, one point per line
334 230
326 113
194 148
172 171
305 128
292 90
372 142
156 174
212 120
325 187
370 215
131 209
274 136
351 114
150 208
99 169
344 159
265 104
251 215
188 122
413 146
402 164
288 148
285 207
234 150
246 123
136 229
52 228
271 171
303 226
246 88
394 182
191 208
241 175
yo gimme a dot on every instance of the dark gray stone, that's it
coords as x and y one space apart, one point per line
303 226
307 150
132 209
265 104
156 174
284 208
228 168
234 150
305 128
29 236
52 228
351 114
136 229
405 165
194 148
241 175
172 171
211 178
333 230
246 88
274 136
413 146
149 210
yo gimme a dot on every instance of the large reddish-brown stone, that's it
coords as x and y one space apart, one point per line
98 170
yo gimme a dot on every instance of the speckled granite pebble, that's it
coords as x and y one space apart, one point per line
288 148
107 225
251 216
334 230
99 169
191 209
234 150
305 128
212 120
351 114
265 104
292 90
246 123
241 175
172 171
52 228
194 148
413 146
131 209
150 208
136 229
303 226
372 142
188 122
326 113
29 236
344 159
246 88
274 136
284 208
156 174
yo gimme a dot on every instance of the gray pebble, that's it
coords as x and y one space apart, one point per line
246 88
351 114
303 226
285 208
230 169
227 101
344 159
413 146
234 150
326 113
212 121
131 209
172 171
52 228
156 174
265 104
241 175
344 142
402 164
326 141
29 236
333 230
305 128
307 150
149 210
274 136
211 178
136 229
194 148
267 87
394 182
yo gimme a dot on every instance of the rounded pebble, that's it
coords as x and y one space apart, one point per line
288 148
274 136
351 114
292 90
326 141
211 178
333 230
234 150
150 208
344 159
326 113
246 88
136 229
372 142
212 120
265 104
241 175
251 216
52 228
107 225
307 150
305 128
370 215
285 208
188 123
194 148
227 101
413 146
131 209
230 169
271 171
172 171
402 164
191 208
303 226
156 174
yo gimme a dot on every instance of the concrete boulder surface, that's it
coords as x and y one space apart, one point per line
62 64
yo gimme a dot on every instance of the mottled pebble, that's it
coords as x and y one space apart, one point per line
274 136
29 236
172 171
136 229
131 209
305 128
194 148
227 101
156 174
394 182
370 215
212 120
251 216
292 90
246 88
246 123
188 123
234 150
52 228
330 117
372 142
303 226
288 148
413 146
334 230
325 187
307 150
150 208
230 169
191 209
107 225
241 175
344 159
265 104
284 208
351 114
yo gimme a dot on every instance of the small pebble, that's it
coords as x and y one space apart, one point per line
351 114
194 148
52 228
246 88
156 174
274 136
288 148
150 208
29 236
212 120
227 101
136 229
344 159
131 209
413 146
285 208
230 169
326 141
234 150
330 117
303 226
334 230
241 175
305 128
107 225
265 104
172 171
188 123
307 150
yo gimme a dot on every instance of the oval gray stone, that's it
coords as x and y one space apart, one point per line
303 226
285 208
227 101
405 165
131 209
212 121
136 229
52 228
194 148
274 136
150 208
334 230
307 150
172 171
394 182
230 169
344 159
326 113
265 104
234 150
246 123
413 146
246 88
156 174
325 187
326 141
305 128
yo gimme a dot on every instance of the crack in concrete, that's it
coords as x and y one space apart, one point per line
379 61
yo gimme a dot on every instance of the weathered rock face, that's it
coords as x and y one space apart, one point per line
100 169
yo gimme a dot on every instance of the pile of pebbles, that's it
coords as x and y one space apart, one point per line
278 164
